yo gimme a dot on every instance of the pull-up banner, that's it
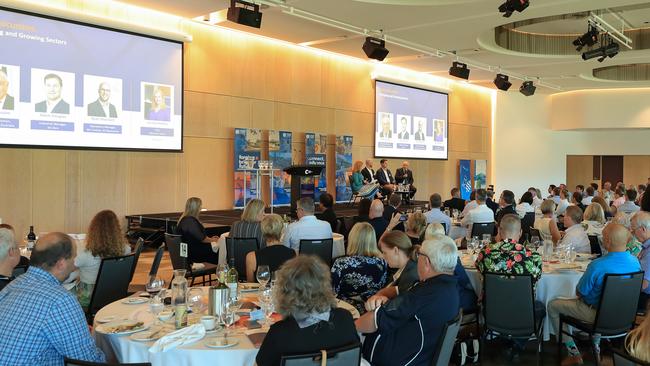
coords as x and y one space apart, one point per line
280 155
315 154
248 146
343 165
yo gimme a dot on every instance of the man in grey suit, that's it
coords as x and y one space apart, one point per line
53 102
6 100
101 107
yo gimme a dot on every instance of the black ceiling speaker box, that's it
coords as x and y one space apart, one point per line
459 70
502 83
527 88
248 15
375 48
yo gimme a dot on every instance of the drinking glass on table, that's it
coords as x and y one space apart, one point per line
487 238
535 242
156 305
155 285
195 300
455 214
263 276
228 317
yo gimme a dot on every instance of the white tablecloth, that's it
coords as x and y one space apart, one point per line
551 285
338 248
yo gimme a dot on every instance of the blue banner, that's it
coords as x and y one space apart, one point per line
343 165
248 146
280 155
465 178
315 154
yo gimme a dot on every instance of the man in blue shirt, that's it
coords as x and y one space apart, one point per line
640 227
590 286
435 215
41 321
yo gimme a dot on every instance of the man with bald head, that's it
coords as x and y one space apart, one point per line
377 220
6 100
590 286
102 107
42 323
404 175
640 228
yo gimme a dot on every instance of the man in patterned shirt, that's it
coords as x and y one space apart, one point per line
41 321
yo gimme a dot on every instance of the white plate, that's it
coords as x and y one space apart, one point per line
105 319
108 327
146 336
218 343
134 300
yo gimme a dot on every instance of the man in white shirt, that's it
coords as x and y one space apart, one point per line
629 207
537 201
590 196
102 106
564 203
575 234
435 215
307 226
481 214
608 194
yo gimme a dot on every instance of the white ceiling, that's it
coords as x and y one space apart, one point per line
465 26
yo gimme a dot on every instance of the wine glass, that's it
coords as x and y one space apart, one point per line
535 242
195 300
156 305
155 285
487 238
263 275
228 317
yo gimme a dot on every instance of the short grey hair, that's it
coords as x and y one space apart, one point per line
307 205
642 219
442 253
7 242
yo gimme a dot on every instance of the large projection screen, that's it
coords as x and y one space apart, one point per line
65 84
410 122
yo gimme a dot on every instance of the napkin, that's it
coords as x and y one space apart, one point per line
197 266
178 338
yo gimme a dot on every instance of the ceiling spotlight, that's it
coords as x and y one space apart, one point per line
246 14
588 39
527 88
510 6
375 48
502 83
459 70
608 48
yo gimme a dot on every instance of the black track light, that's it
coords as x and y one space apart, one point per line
510 6
588 39
245 14
527 88
459 70
375 48
608 48
501 82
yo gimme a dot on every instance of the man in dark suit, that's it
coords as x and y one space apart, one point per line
404 134
368 172
385 178
506 204
489 202
455 202
404 175
53 102
6 100
419 134
102 107
326 204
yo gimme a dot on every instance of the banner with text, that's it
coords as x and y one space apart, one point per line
315 154
248 147
465 178
280 155
343 165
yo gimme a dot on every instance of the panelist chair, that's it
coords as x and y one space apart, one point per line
355 195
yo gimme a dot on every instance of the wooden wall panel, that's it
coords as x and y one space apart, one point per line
152 182
48 188
579 170
103 184
636 169
16 202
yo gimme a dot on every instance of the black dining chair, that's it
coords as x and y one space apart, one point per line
342 356
173 244
153 271
447 340
318 247
594 243
112 283
616 311
237 249
137 250
622 358
480 228
71 362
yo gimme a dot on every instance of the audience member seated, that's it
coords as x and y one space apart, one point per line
472 204
634 247
9 256
576 200
42 323
629 207
489 202
563 204
433 229
551 192
586 200
104 239
607 193
399 254
619 197
455 202
404 175
249 224
368 172
590 286
377 220
192 232
307 226
645 203
481 214
274 254
637 342
606 209
546 224
580 189
537 200
415 225
356 179
595 187
640 228
594 219
575 233
24 261
525 205
407 329
640 190
363 212
327 206
363 272
385 178
311 321
392 208
435 215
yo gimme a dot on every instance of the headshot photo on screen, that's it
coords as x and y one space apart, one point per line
438 130
9 76
104 95
385 123
420 123
52 89
157 102
403 127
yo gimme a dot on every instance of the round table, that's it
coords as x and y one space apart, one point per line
554 283
121 348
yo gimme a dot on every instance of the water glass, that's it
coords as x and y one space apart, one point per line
195 300
263 275
155 285
447 211
156 305
547 253
487 238
534 241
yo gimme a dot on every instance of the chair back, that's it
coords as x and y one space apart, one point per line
156 261
480 228
350 184
595 245
527 223
237 249
447 341
71 362
508 304
112 282
137 250
343 356
618 302
622 358
173 244
444 226
535 232
19 270
319 247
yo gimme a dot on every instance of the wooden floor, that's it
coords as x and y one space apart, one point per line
141 275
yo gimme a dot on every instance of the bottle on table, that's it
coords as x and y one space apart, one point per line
231 279
31 238
179 297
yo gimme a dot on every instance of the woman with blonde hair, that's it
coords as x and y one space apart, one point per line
547 225
415 225
356 179
192 232
274 254
311 322
606 209
432 230
594 219
637 342
249 225
363 271
104 239
158 109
